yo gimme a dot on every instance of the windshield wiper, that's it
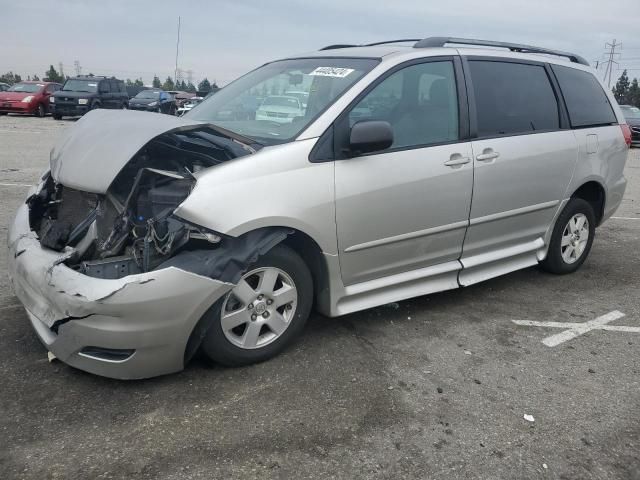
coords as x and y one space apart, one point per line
238 137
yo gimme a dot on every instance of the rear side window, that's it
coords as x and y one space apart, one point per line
587 103
513 98
105 87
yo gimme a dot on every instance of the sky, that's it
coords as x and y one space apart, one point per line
222 39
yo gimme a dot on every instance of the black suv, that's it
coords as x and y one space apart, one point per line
81 94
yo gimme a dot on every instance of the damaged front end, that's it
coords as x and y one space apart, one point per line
113 282
131 228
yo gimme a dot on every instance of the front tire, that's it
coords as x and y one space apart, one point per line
56 116
40 111
572 238
263 313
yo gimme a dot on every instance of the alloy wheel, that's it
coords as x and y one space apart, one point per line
575 237
259 308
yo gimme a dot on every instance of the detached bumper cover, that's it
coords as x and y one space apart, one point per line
152 313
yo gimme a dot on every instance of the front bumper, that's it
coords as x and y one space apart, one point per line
143 108
69 110
152 314
17 107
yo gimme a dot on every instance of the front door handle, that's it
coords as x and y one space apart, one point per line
456 160
487 155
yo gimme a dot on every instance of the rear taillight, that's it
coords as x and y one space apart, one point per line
626 131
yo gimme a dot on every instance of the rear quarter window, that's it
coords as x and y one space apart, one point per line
587 103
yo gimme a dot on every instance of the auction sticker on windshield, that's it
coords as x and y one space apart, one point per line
332 72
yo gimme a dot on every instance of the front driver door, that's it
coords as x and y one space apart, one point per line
406 207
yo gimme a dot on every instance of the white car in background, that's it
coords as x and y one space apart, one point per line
188 105
302 96
281 109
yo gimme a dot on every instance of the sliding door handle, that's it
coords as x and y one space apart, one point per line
456 160
487 155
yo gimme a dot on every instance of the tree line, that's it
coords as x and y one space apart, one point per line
627 92
52 75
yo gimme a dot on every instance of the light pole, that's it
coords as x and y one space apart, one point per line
175 73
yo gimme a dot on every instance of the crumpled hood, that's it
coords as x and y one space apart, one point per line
93 151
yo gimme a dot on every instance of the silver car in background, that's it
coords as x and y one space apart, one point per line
409 170
188 105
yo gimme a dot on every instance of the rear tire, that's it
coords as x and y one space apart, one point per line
262 311
571 239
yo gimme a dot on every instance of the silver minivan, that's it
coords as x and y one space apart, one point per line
408 170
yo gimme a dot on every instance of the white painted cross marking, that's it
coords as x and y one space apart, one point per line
576 329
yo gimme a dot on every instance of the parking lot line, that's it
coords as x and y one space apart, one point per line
626 218
575 329
15 185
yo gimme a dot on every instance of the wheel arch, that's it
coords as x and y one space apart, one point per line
310 253
593 192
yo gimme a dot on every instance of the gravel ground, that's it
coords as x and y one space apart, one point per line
433 387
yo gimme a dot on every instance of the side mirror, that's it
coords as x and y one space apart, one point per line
370 136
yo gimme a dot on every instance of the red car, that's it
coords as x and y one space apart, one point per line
28 97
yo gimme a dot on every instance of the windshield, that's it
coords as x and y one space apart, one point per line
80 86
257 105
631 112
148 94
26 87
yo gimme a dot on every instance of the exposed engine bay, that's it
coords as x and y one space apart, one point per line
131 228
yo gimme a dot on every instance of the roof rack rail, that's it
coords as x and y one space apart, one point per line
338 45
345 45
392 41
514 47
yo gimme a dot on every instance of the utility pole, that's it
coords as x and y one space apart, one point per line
610 62
76 65
175 75
60 70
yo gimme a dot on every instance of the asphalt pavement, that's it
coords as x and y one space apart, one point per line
433 387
